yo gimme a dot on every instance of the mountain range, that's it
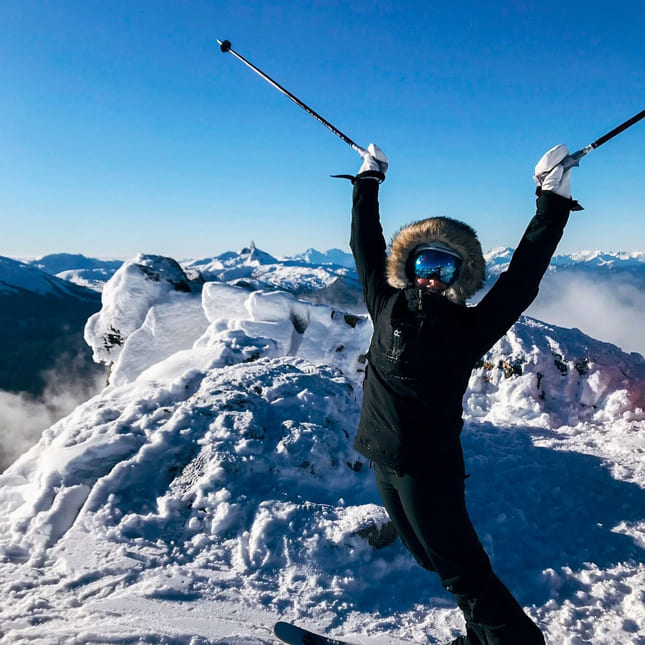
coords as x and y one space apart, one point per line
86 271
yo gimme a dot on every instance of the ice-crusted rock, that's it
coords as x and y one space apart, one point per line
139 284
145 320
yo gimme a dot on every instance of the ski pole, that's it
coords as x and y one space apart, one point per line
574 159
225 46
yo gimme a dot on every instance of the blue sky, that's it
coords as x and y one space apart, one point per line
123 128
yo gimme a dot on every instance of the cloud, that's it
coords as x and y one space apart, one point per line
609 308
24 417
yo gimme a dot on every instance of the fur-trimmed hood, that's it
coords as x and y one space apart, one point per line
455 234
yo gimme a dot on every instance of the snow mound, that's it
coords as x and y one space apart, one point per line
239 476
551 376
201 444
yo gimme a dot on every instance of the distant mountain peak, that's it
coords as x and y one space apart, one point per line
55 263
333 256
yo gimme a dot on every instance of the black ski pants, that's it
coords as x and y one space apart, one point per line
429 513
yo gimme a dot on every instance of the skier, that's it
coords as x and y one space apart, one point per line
423 349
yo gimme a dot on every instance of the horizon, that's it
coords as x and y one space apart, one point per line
107 258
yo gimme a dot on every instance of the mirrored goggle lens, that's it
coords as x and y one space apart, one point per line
438 265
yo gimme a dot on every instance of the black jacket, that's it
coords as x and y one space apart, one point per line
425 346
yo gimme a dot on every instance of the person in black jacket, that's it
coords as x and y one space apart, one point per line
425 344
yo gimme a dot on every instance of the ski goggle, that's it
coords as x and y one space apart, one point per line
432 263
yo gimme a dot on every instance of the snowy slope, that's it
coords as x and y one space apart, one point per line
41 321
211 490
19 277
92 273
331 256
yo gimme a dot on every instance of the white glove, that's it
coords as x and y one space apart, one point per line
373 159
551 175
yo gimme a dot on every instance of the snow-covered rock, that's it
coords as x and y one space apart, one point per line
145 320
140 284
551 376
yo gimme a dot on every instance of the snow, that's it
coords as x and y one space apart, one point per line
211 489
254 268
497 260
93 279
127 299
91 273
332 256
16 277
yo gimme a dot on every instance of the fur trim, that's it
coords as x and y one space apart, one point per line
458 236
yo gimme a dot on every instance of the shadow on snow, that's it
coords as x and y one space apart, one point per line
534 509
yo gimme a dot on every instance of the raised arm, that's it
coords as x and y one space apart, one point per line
518 286
367 241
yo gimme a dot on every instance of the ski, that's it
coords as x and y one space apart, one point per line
294 635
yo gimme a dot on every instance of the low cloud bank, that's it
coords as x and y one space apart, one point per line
24 417
609 308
